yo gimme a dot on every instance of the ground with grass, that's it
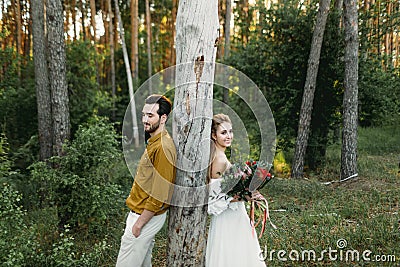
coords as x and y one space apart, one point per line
355 223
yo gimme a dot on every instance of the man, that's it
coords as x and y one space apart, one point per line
152 186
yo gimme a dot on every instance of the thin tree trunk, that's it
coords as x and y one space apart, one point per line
83 20
227 29
148 29
227 47
18 32
73 6
93 19
18 29
43 97
115 34
134 39
247 20
28 35
57 75
196 31
172 44
129 76
350 98
67 9
111 39
105 43
94 37
309 90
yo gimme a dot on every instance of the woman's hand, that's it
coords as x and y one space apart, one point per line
236 198
256 195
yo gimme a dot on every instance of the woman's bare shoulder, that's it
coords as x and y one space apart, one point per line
219 165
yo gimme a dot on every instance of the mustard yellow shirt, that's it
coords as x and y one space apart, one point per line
155 175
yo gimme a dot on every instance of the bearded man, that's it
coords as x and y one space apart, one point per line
152 188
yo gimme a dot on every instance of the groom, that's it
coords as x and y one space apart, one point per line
152 187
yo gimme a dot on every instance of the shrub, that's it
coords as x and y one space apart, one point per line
82 184
17 239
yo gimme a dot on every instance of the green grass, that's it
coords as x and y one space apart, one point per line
313 216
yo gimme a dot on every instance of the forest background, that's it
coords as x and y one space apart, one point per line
72 212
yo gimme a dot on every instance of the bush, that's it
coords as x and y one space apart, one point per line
17 239
82 184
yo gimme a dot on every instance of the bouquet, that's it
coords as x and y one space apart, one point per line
243 181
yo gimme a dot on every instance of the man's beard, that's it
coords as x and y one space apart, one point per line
153 127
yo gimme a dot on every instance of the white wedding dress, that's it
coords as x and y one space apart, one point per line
231 242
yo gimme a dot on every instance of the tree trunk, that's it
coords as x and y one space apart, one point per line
67 8
148 30
73 5
196 31
18 30
111 39
28 34
57 75
83 20
172 44
93 19
105 43
134 39
309 90
227 29
350 98
227 35
128 74
43 97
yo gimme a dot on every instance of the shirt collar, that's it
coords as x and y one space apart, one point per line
156 137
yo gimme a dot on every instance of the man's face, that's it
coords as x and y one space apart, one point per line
150 118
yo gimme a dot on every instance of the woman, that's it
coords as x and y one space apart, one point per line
231 241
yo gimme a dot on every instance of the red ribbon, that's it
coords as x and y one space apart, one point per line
262 205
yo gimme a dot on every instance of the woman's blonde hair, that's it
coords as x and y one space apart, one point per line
217 120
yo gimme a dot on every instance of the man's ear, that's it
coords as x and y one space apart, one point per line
164 118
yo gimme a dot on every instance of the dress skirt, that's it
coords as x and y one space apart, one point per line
231 241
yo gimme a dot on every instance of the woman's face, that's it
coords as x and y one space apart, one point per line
224 135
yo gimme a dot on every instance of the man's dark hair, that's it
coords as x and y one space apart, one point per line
164 103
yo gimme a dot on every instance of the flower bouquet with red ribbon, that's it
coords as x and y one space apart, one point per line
243 182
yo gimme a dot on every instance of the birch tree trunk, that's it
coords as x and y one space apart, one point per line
196 31
43 98
57 75
129 76
309 90
350 98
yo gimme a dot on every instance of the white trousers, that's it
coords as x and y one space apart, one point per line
136 252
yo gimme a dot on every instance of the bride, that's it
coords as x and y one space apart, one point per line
230 238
